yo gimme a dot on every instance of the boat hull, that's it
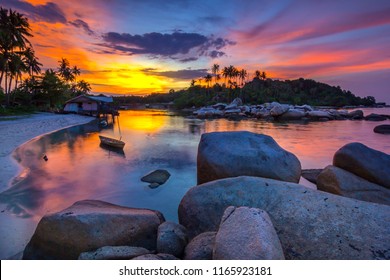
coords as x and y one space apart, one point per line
111 142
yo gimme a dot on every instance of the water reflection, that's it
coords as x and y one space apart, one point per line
79 168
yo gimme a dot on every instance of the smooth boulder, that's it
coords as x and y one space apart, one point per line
356 115
311 224
338 181
382 129
293 114
246 234
364 162
201 247
311 174
232 154
171 239
114 253
91 224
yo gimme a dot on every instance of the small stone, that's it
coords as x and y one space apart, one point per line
159 176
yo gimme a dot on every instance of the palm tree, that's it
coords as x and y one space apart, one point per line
83 87
65 71
226 73
14 30
257 74
215 71
263 75
193 83
208 78
243 74
31 61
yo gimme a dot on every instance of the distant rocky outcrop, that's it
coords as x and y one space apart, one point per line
310 224
89 225
231 154
338 181
280 112
246 234
364 162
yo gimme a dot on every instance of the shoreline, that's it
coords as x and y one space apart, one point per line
16 131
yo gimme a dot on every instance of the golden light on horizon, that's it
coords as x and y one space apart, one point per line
143 121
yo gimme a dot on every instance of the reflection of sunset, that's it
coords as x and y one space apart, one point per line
142 121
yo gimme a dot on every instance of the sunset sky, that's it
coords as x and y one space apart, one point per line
139 47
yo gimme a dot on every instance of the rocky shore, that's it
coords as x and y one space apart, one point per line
281 112
247 205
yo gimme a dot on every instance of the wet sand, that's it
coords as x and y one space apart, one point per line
14 131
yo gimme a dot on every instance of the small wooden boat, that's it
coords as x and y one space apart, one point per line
111 142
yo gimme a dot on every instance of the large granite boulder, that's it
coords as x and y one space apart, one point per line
364 162
316 115
246 234
293 114
382 129
201 247
356 115
114 253
310 224
278 109
338 181
90 224
231 154
171 239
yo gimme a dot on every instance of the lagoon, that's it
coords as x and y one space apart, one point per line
78 168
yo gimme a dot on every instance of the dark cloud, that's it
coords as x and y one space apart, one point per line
83 25
166 45
156 43
184 74
49 12
189 59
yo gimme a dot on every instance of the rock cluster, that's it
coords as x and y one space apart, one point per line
231 215
276 111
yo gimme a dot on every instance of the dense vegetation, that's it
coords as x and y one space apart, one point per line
258 91
23 86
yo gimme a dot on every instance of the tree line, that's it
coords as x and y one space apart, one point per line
22 81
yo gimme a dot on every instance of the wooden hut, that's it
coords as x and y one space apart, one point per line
89 105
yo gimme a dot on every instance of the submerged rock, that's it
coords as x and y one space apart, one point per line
383 129
91 224
114 253
310 224
246 234
375 117
231 154
338 181
364 162
201 247
156 178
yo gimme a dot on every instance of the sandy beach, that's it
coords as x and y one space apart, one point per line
14 131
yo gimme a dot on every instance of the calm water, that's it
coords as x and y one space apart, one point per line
78 168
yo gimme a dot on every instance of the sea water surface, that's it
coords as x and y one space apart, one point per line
79 168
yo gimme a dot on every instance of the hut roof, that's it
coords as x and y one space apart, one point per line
83 97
